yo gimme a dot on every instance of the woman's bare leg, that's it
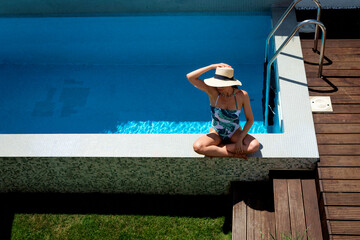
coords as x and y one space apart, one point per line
252 145
230 147
210 145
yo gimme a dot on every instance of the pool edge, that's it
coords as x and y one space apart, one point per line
296 148
298 139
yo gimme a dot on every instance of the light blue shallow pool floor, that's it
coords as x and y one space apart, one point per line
109 99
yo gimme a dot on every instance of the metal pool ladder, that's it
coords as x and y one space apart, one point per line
293 4
269 63
268 68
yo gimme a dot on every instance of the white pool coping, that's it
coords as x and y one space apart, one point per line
297 141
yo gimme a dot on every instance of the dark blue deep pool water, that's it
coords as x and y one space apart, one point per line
123 74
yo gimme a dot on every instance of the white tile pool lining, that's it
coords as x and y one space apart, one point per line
295 148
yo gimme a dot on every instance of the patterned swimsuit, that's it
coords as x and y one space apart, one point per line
225 122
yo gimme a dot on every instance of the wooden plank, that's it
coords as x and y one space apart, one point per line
333 161
344 237
343 213
346 138
257 223
312 214
335 73
339 150
313 66
336 118
332 43
344 108
272 225
339 173
340 65
281 205
344 51
338 82
310 56
345 227
267 224
239 221
342 199
297 216
339 99
324 225
337 128
341 91
345 99
340 186
341 95
250 219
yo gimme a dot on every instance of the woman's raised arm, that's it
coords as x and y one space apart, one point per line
193 77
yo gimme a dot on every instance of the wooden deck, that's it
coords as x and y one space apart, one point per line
282 208
338 135
292 207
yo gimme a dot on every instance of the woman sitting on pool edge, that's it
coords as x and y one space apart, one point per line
225 138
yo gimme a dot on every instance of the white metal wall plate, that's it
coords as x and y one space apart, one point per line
321 104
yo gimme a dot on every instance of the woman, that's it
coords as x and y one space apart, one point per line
225 138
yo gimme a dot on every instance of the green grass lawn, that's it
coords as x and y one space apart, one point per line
114 216
94 226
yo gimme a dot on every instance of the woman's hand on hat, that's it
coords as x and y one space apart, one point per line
221 65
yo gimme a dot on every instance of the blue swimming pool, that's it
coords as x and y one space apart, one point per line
123 74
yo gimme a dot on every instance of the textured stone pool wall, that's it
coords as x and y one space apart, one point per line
186 176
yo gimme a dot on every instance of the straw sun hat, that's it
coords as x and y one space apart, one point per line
224 77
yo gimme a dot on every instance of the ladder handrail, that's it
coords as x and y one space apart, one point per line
282 19
268 69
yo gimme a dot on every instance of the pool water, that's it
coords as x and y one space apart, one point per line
123 74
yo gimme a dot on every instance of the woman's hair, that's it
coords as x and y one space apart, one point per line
235 86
